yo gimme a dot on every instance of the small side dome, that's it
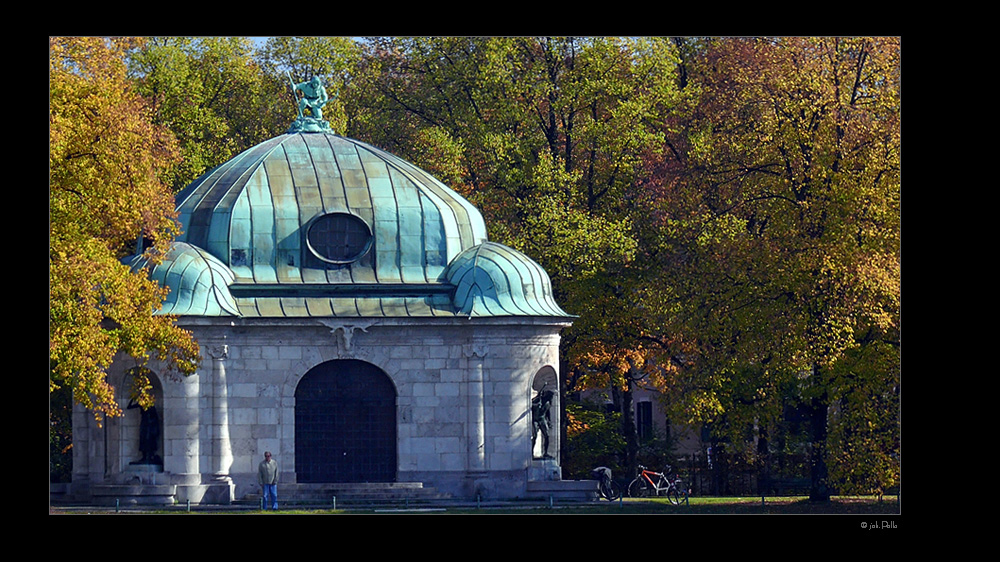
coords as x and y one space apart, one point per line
198 282
493 280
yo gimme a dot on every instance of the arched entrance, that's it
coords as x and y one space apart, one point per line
345 424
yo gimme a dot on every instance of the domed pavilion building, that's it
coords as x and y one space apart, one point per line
355 322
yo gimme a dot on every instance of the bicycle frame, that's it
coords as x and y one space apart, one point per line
658 483
661 484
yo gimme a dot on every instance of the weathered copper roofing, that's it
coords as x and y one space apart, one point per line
250 212
253 241
198 281
494 280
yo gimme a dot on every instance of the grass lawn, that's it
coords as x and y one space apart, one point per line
722 506
840 505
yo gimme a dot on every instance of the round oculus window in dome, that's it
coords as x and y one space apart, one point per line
339 237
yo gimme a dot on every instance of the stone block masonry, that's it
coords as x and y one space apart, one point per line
457 382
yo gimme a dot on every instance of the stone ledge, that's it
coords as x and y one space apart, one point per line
134 494
583 490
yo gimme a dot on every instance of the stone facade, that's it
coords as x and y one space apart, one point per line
463 404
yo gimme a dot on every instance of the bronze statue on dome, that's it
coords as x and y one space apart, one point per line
310 106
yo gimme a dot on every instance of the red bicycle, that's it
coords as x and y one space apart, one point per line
666 483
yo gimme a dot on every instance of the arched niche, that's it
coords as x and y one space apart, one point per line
545 402
140 430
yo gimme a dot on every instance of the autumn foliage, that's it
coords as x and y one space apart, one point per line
105 193
722 214
781 232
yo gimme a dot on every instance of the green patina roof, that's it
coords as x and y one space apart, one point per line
494 280
198 281
250 211
247 250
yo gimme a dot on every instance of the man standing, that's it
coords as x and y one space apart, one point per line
267 475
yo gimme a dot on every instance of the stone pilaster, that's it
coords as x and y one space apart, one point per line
83 448
477 406
182 428
222 455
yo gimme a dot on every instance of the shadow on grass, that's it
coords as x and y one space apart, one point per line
757 506
724 506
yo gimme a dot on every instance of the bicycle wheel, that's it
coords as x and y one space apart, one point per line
614 491
639 488
604 490
674 495
677 493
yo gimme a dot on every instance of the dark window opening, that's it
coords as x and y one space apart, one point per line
644 420
339 238
238 257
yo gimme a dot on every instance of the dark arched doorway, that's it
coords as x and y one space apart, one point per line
345 424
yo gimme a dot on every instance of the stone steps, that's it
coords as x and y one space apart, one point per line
134 494
352 493
375 494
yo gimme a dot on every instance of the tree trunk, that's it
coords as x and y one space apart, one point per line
763 461
819 489
628 427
